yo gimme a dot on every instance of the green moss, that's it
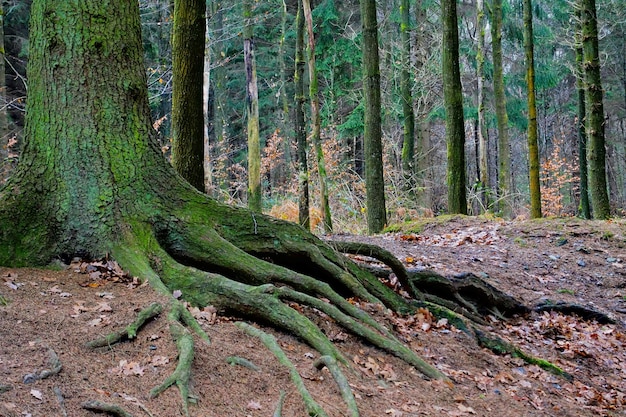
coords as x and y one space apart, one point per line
566 291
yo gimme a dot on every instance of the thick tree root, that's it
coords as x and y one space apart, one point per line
236 360
55 368
185 346
583 312
383 255
278 412
130 331
313 409
500 347
342 382
101 407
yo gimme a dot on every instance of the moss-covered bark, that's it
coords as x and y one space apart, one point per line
453 103
187 95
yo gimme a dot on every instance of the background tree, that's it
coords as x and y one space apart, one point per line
453 100
252 111
594 111
483 145
372 136
187 92
533 150
584 209
408 115
315 119
504 149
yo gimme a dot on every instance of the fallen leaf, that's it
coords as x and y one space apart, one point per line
254 405
36 393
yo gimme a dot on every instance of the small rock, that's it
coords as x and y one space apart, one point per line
580 262
611 260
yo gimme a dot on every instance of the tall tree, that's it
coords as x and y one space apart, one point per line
453 102
483 149
533 148
315 118
92 182
408 116
252 111
187 108
594 121
4 137
505 179
372 136
300 128
584 208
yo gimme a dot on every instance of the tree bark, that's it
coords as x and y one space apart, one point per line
505 179
408 116
187 93
533 148
594 122
584 207
300 127
372 136
483 143
453 102
316 119
252 112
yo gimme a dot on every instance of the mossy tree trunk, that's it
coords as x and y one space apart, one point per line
533 148
408 116
187 92
252 111
453 102
316 121
92 182
594 120
372 136
584 207
505 179
483 142
300 127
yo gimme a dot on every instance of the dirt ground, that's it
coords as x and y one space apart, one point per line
49 312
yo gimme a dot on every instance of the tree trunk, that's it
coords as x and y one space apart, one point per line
372 136
594 122
300 128
187 109
533 149
252 112
505 180
584 208
208 106
453 102
408 116
316 120
483 149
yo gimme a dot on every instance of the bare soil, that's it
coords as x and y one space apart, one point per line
44 311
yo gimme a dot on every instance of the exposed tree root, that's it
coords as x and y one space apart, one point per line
5 388
583 312
342 382
278 412
55 368
60 400
101 407
313 409
500 347
130 331
236 360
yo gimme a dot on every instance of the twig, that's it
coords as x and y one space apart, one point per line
100 407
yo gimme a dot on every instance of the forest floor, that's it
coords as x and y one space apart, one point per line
569 260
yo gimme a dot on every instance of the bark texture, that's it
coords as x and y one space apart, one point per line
408 124
187 93
453 102
372 136
594 121
533 148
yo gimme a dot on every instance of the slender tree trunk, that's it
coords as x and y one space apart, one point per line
453 102
316 120
300 128
187 109
505 180
217 87
208 107
483 144
4 128
252 112
284 101
584 208
408 143
533 149
372 137
594 122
